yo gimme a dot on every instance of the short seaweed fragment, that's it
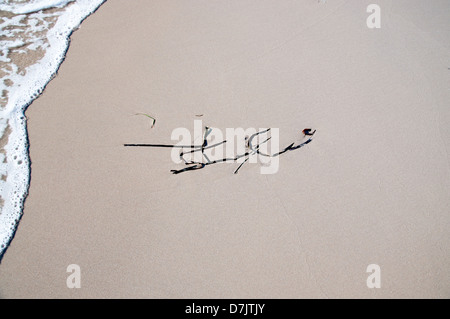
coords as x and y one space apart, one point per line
154 120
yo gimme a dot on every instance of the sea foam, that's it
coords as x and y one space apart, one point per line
34 39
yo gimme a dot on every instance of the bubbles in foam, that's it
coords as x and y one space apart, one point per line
47 39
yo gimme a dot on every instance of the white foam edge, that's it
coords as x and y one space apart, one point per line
22 8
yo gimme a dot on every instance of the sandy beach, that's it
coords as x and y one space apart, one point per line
372 188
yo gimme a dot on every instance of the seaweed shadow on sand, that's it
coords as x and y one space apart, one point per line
251 149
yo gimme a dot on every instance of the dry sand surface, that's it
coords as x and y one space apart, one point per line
372 188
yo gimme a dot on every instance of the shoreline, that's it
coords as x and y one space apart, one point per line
31 59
